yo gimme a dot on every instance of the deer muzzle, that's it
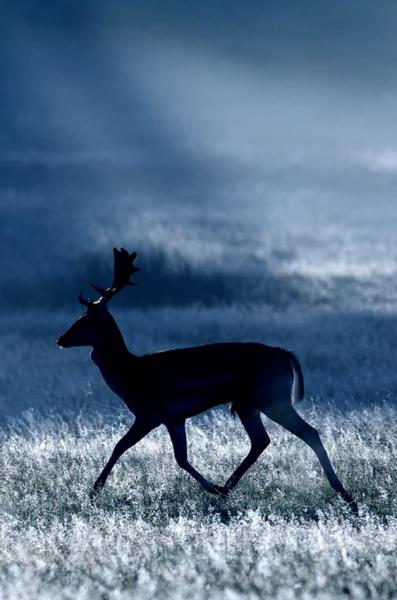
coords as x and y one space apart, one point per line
62 342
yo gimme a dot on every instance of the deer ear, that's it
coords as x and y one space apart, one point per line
83 301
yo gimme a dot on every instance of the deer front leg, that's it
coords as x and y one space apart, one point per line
139 429
178 437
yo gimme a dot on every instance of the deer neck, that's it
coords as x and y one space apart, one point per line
110 352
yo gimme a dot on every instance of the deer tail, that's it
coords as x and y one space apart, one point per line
298 386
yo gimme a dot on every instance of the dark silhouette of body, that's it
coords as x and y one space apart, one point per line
169 387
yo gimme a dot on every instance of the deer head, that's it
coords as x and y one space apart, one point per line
88 329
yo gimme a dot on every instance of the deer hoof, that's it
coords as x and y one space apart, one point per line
95 490
93 494
353 507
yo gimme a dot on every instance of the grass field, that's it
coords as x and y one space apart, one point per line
154 533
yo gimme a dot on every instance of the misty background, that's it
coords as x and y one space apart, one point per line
246 151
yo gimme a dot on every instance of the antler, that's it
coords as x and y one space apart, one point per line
124 268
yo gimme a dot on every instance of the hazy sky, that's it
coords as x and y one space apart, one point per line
194 130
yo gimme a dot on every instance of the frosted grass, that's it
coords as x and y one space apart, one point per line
153 532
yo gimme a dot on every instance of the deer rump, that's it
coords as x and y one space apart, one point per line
245 374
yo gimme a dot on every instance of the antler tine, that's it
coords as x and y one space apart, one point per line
124 268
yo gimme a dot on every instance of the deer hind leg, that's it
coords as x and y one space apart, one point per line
291 421
252 423
178 437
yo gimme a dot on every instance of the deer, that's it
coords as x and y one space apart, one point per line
169 387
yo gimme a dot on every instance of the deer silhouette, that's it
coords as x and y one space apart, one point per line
169 387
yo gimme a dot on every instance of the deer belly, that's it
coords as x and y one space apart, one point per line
193 400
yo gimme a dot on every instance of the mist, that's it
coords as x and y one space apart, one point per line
254 150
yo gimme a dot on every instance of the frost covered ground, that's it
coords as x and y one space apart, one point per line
153 532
